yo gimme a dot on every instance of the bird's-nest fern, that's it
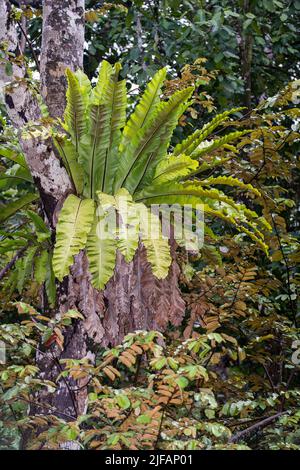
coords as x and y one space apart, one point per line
110 160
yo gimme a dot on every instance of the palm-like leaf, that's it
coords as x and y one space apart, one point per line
69 156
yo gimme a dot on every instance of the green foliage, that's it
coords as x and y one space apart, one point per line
227 33
110 156
13 207
231 365
75 221
188 395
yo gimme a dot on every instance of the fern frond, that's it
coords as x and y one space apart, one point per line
101 254
75 112
74 223
229 181
12 207
157 247
41 266
174 192
85 85
13 156
99 148
192 193
118 119
69 156
41 230
137 165
50 283
174 168
191 143
217 143
129 226
204 166
98 92
144 108
24 267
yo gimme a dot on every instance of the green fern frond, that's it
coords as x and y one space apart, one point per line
75 112
74 223
85 85
157 247
174 168
41 266
12 207
24 267
229 181
129 226
191 143
217 143
194 194
98 92
69 157
112 162
98 152
150 144
101 254
144 109
119 102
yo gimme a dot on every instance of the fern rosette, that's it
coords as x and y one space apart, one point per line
125 167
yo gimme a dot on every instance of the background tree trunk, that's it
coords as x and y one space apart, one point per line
133 299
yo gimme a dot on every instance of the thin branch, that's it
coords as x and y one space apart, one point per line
255 427
48 407
30 45
263 163
160 428
269 377
71 394
13 261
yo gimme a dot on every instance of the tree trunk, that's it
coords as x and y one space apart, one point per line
133 299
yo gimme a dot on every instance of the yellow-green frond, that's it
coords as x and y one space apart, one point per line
74 223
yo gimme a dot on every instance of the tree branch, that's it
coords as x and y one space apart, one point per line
255 427
12 261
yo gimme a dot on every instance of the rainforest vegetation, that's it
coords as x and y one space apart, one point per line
133 341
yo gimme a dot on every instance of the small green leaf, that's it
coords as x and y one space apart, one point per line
182 382
144 419
11 393
93 397
8 69
123 402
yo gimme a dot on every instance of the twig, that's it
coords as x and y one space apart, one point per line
263 163
255 427
138 367
160 428
48 407
13 261
269 377
30 45
71 394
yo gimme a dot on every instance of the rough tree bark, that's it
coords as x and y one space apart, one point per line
133 299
